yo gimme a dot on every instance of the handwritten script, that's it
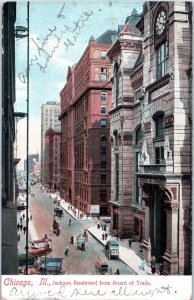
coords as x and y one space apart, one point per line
45 54
62 293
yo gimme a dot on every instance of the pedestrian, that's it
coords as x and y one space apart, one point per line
104 227
67 251
24 229
117 272
21 226
153 270
83 246
153 261
21 220
98 225
103 236
69 222
18 237
31 217
18 226
143 265
23 216
161 269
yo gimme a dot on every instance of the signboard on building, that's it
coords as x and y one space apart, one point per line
95 209
164 89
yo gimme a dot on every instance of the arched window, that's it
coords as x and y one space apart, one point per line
103 138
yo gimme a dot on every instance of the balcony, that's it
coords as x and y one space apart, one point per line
155 169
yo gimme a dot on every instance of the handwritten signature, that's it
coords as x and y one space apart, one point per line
45 54
63 294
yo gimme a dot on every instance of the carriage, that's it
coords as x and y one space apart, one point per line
40 247
101 266
58 211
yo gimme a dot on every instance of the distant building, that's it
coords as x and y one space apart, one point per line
32 159
49 119
52 158
37 169
85 125
9 250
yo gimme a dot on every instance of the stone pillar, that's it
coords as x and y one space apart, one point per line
146 243
170 257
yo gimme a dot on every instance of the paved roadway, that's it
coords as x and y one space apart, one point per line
78 262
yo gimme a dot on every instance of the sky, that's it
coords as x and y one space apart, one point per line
53 47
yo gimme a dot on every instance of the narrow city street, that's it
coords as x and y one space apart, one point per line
41 208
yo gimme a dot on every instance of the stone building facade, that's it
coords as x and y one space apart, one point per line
123 55
52 157
9 248
159 209
85 152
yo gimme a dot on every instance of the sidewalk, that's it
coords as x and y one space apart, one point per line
130 256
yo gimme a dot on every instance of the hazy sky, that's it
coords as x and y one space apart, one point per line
59 34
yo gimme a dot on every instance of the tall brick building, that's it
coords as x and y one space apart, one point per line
158 201
85 125
52 159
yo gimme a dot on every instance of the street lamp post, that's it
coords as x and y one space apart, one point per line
46 240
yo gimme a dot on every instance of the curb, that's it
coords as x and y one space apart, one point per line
104 246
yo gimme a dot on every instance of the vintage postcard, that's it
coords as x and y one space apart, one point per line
96 126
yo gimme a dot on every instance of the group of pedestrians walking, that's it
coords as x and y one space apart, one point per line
21 226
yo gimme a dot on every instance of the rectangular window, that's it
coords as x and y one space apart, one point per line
159 127
159 155
138 194
103 150
103 164
103 122
103 96
103 74
103 109
96 74
103 54
103 179
103 195
137 154
117 175
161 61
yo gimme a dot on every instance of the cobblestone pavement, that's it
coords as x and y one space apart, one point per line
42 209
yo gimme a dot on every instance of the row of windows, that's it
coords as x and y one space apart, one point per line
101 74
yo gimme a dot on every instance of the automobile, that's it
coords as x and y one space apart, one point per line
112 249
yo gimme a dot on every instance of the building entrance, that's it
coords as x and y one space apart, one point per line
157 223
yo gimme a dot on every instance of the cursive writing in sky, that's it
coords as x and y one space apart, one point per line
59 38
